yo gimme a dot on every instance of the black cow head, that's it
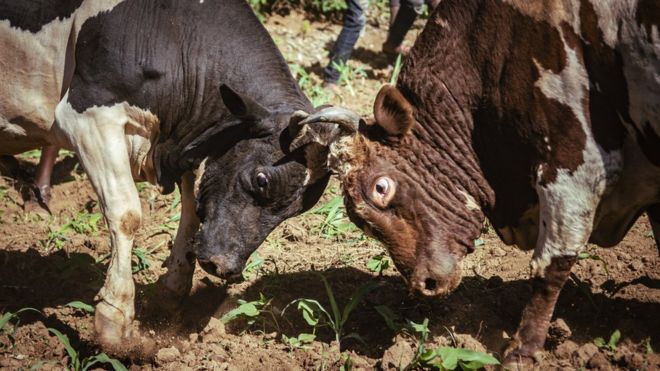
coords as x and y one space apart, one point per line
244 192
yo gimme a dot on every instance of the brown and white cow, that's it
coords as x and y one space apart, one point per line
543 116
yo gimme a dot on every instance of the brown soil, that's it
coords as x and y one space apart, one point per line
481 314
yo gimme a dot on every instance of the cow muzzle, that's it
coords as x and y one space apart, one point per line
431 279
221 267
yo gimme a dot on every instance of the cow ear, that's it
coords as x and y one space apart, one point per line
240 106
393 112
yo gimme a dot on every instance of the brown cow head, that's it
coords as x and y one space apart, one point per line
391 194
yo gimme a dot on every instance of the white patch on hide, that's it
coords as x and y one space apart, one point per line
568 205
640 52
139 129
33 65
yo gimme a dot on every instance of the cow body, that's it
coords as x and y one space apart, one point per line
543 116
38 40
149 99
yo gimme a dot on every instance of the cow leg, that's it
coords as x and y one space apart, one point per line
181 262
40 194
654 217
566 213
536 316
98 137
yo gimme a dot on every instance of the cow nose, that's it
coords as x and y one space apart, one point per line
430 282
219 266
429 286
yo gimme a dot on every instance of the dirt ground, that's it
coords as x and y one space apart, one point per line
45 265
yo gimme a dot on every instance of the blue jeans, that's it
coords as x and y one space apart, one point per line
355 19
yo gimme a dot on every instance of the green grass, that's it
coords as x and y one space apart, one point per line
610 345
348 74
316 315
311 87
335 223
77 363
441 358
378 263
12 319
82 223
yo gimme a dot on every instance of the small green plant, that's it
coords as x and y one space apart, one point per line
170 225
34 154
317 95
335 223
449 358
348 74
587 255
55 239
82 223
76 363
84 307
328 6
378 264
298 342
347 365
396 70
7 318
611 343
392 320
253 267
140 260
423 330
647 346
249 310
445 358
315 314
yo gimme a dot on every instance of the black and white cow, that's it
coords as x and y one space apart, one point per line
147 97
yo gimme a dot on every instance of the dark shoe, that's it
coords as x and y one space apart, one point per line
393 51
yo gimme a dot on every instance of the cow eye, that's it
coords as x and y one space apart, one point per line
383 191
262 180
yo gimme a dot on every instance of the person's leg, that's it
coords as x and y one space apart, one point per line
404 19
394 9
354 21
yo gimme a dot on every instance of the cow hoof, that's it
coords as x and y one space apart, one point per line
112 328
516 361
37 200
169 300
168 304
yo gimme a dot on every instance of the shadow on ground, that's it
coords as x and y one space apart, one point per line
481 308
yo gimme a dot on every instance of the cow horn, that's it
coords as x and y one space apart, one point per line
322 127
